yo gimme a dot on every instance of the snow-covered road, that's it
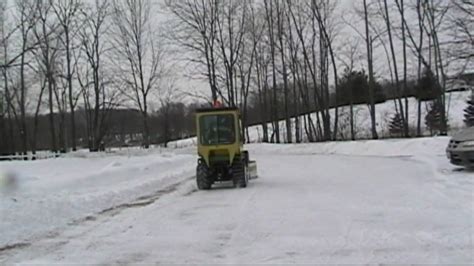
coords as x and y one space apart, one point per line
304 208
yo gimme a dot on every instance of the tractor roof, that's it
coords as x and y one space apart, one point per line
213 109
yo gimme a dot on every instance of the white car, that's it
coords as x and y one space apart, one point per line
460 150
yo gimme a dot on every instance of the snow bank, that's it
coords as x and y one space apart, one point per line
389 147
51 193
183 143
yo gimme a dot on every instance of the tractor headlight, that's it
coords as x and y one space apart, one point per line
468 144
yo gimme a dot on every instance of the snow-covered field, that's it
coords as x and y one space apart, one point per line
391 201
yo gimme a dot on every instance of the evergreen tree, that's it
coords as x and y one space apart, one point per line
354 88
428 87
395 126
469 112
433 119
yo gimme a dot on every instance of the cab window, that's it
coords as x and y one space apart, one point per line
217 129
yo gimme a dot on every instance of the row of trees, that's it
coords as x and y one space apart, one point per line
61 56
77 62
301 49
123 128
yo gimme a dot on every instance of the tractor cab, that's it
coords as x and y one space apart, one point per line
218 129
220 148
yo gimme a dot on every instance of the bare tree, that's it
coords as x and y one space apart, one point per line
137 45
401 8
303 26
94 86
39 102
253 30
46 56
262 62
462 20
231 29
305 74
196 30
61 95
373 36
435 14
395 67
27 20
322 11
168 96
369 45
270 17
294 66
281 36
8 145
67 12
421 20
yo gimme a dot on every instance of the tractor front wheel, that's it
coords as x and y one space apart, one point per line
203 176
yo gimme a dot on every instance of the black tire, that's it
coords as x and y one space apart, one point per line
203 176
239 173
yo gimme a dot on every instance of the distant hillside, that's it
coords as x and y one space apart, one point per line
455 101
455 104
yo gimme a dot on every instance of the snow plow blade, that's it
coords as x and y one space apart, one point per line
252 169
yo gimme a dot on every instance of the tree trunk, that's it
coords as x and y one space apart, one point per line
70 92
3 135
23 128
63 132
284 72
296 110
11 141
36 122
368 42
352 115
275 114
420 28
405 89
146 130
394 61
262 96
11 137
51 117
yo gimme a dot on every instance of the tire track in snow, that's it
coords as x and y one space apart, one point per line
13 246
144 200
237 228
141 201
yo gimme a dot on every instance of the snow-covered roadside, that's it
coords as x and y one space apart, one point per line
388 147
50 194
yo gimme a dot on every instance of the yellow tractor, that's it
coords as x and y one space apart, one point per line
220 148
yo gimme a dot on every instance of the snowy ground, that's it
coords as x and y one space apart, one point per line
53 193
394 201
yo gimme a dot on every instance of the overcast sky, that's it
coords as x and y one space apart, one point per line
182 70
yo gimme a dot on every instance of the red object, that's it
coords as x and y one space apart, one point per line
217 104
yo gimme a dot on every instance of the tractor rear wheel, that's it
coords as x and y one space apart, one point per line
203 176
239 173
